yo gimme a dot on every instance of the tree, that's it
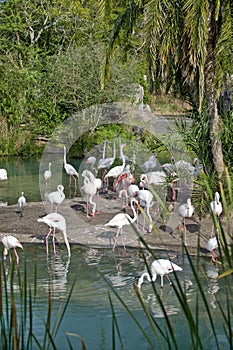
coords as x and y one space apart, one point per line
187 45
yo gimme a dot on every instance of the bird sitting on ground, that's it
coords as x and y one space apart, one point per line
160 267
55 222
10 242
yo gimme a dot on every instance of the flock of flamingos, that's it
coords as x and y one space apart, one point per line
124 186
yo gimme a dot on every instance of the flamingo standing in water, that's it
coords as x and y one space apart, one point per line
160 267
216 208
55 222
186 211
56 197
48 175
122 219
211 245
10 242
70 170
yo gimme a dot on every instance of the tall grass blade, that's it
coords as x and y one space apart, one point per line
114 325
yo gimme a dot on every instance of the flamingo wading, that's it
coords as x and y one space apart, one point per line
160 267
55 222
69 169
10 242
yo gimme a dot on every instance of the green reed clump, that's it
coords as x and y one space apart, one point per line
18 302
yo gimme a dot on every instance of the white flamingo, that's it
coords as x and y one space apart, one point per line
56 197
70 170
211 245
186 211
106 163
55 222
10 242
152 178
48 175
22 201
216 208
146 201
3 174
122 219
160 267
117 170
91 186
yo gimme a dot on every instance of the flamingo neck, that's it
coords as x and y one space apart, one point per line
141 279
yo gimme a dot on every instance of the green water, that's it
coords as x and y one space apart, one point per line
89 314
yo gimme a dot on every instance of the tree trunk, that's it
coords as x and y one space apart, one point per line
211 98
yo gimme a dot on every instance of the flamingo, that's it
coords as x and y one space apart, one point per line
21 201
10 242
48 174
56 197
21 204
107 162
211 245
186 211
91 184
152 178
216 208
70 170
3 174
146 200
160 267
151 163
122 219
117 170
55 222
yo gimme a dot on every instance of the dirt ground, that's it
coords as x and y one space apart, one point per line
93 232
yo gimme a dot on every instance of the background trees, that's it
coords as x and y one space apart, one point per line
188 47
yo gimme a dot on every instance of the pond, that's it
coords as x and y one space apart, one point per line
99 272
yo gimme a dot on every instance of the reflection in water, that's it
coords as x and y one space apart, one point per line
58 270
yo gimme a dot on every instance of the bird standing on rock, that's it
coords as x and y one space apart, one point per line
216 208
10 242
21 204
160 267
186 211
122 219
56 197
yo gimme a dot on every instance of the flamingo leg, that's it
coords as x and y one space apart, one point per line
54 246
122 239
16 256
185 242
115 239
87 214
46 240
161 284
